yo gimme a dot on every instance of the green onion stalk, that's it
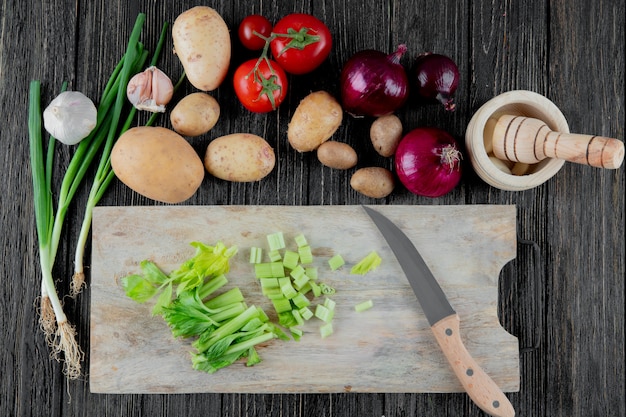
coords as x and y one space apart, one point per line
60 334
104 176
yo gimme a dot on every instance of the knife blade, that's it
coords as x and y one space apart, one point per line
443 320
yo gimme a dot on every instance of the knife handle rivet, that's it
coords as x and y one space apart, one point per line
496 404
469 372
448 332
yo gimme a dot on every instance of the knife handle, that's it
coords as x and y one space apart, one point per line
478 385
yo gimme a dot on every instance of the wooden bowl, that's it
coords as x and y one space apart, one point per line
478 139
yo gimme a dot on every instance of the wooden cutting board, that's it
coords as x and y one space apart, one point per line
388 348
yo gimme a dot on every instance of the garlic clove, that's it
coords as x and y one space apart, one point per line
70 117
150 90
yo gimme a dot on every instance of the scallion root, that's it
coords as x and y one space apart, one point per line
77 284
65 342
47 319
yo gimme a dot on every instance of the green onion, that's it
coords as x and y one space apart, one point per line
104 174
365 305
59 333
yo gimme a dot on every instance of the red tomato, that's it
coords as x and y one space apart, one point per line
260 90
307 46
251 24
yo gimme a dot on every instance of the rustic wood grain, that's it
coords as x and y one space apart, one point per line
564 301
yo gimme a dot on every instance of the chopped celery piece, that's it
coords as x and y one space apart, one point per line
306 313
290 259
256 255
281 305
297 272
301 240
317 290
311 272
276 241
269 282
329 304
369 263
288 290
323 313
326 330
269 270
274 255
300 282
300 300
365 305
305 288
296 333
273 293
336 262
297 317
306 256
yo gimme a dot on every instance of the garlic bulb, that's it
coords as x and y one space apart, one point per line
70 117
150 90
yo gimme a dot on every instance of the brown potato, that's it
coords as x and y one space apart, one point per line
202 43
316 119
337 155
195 114
157 163
385 133
375 182
239 157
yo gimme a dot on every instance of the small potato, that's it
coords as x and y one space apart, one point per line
316 119
337 155
195 114
386 132
202 43
240 157
157 163
375 182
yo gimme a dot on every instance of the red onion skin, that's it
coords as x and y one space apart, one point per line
374 83
437 78
428 162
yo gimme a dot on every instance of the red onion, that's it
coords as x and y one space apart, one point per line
428 162
373 83
437 78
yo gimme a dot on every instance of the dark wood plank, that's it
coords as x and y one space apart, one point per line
569 310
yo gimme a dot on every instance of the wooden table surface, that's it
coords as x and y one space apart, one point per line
563 296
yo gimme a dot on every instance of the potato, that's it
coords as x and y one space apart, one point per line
195 114
239 157
385 133
202 43
157 163
375 182
316 119
337 155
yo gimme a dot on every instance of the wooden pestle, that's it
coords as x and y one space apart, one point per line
529 140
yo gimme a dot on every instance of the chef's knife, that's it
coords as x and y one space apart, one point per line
443 320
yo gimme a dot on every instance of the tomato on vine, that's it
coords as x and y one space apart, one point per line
260 85
247 28
306 45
